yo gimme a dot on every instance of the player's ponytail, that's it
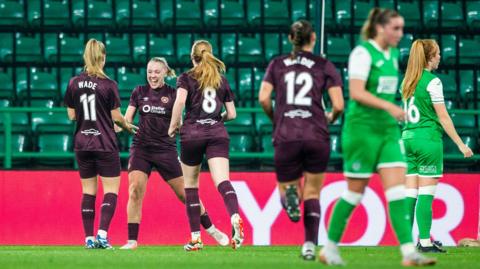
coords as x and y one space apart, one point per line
300 35
94 58
377 16
421 52
209 68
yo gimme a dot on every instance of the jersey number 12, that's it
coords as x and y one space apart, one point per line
88 102
304 79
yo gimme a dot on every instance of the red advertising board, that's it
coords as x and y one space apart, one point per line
43 208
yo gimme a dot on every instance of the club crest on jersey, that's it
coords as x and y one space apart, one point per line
379 63
165 99
145 99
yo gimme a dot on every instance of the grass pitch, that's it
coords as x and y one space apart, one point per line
173 257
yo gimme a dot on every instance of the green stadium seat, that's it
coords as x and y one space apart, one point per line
20 143
463 121
4 103
450 148
301 8
43 122
410 10
275 13
473 14
65 75
243 123
6 86
267 145
338 48
162 46
258 75
54 143
386 4
469 51
42 103
449 49
56 13
100 13
361 9
212 38
127 80
452 14
184 47
71 48
449 85
118 48
467 91
144 13
232 13
139 48
43 85
241 142
28 49
404 47
11 13
228 46
6 47
430 13
250 49
19 122
245 84
275 45
335 144
188 14
263 124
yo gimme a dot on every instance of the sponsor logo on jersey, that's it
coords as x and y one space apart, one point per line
154 109
427 169
91 132
300 113
207 121
165 99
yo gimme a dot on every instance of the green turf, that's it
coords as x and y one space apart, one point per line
173 257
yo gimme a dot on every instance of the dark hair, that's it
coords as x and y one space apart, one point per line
300 35
377 16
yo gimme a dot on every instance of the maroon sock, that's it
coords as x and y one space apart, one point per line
133 231
107 210
205 220
311 219
192 202
88 213
229 197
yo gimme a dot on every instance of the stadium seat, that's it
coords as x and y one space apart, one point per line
338 48
6 86
54 143
241 142
449 49
118 48
128 80
20 143
232 13
463 121
28 49
275 45
100 13
267 145
19 122
11 13
55 13
449 85
250 49
361 9
228 46
469 51
467 91
258 74
335 144
404 47
48 122
65 75
430 13
162 46
301 8
410 10
184 47
212 38
243 123
71 48
188 14
6 47
43 85
144 13
452 14
263 124
473 14
245 84
275 12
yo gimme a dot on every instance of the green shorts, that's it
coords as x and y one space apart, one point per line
424 157
365 151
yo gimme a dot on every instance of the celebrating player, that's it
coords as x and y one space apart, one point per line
300 137
205 91
92 100
152 147
426 116
371 138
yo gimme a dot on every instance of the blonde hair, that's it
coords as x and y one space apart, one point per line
422 51
208 69
170 71
376 16
94 57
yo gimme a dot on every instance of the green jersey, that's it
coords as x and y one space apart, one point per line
422 120
381 81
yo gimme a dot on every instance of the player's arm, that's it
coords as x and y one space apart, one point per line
71 114
119 120
449 128
177 111
129 116
230 112
338 105
264 97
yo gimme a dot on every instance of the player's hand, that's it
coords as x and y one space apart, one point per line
465 150
131 128
329 116
396 112
172 131
117 128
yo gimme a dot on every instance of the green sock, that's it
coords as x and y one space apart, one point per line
400 220
340 215
424 215
410 202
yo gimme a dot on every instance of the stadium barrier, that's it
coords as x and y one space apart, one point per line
7 154
43 208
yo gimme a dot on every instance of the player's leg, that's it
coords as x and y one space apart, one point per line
411 179
288 159
88 175
391 168
217 157
108 167
191 161
311 213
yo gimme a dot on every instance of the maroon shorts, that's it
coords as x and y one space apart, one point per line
93 163
165 161
192 151
294 158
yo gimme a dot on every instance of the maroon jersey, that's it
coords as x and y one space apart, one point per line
203 117
93 99
299 83
155 110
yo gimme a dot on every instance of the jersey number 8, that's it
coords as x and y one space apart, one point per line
209 104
